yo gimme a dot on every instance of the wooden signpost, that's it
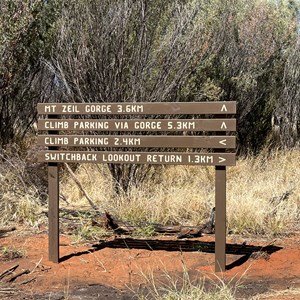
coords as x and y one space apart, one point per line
130 134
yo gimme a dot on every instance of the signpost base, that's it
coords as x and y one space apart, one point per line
220 226
53 215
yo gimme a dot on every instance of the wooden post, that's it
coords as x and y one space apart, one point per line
53 214
220 220
53 211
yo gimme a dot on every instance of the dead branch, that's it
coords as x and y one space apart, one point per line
14 277
64 198
6 230
8 271
27 281
72 212
76 180
8 290
121 227
106 221
37 264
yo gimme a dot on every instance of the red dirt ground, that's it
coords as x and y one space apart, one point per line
111 272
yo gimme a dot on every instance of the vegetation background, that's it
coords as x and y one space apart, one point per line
155 51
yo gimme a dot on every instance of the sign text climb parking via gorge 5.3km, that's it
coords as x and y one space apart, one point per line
135 128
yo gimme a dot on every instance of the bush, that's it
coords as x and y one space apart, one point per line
26 29
22 189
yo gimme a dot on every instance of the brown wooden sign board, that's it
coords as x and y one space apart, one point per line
53 156
162 108
136 141
156 158
139 125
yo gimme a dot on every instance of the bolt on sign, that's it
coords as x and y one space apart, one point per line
146 131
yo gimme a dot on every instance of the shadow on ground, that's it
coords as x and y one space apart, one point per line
182 246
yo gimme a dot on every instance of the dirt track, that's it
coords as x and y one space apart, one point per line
110 269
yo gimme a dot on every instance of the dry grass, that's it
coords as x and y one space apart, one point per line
19 197
11 253
292 293
207 287
263 194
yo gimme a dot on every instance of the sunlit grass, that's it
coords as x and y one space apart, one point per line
263 194
184 287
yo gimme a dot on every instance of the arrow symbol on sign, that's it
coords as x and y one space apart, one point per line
221 159
223 125
223 142
224 108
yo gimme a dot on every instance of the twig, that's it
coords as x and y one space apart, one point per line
8 271
81 188
13 278
5 230
37 264
27 281
18 171
8 290
99 261
64 198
